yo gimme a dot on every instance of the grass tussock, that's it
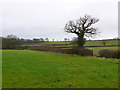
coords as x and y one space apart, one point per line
35 69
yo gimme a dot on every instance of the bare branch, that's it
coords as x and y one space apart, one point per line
91 21
82 27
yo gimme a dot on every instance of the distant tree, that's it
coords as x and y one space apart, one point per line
11 42
65 39
82 27
42 40
46 39
53 40
68 39
28 41
35 40
116 38
104 42
12 36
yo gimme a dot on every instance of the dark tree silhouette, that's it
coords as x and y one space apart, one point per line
11 42
82 27
65 39
46 39
53 40
35 40
42 40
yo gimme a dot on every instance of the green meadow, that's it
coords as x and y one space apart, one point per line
100 43
88 43
36 69
96 50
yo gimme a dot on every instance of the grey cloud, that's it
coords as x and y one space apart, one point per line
47 19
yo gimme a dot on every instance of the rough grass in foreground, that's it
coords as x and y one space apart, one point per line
35 69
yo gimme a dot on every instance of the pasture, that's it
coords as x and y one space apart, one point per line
36 69
100 43
97 49
88 43
68 44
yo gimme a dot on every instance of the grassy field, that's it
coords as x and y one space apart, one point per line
88 43
35 69
46 43
1 69
100 43
97 49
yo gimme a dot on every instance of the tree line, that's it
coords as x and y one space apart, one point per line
13 42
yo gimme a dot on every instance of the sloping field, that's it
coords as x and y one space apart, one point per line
35 69
100 43
69 43
97 49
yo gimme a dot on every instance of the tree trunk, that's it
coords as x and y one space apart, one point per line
81 40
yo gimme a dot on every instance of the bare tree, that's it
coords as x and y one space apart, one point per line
46 39
35 40
82 27
42 40
65 39
53 40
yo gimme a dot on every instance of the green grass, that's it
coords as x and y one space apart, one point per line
88 43
46 43
99 43
97 49
35 69
0 69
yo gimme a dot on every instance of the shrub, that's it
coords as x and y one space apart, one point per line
117 54
81 51
110 53
75 50
11 42
24 47
48 49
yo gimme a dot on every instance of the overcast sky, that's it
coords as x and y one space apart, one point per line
47 18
